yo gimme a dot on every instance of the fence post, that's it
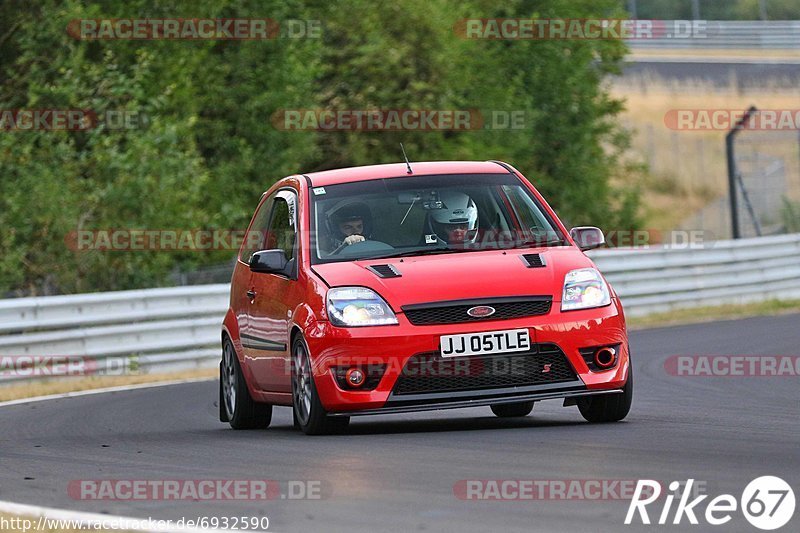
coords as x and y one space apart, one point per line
729 147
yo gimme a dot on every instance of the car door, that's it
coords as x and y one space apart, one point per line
271 300
240 283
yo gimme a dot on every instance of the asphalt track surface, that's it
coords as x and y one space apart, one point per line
397 473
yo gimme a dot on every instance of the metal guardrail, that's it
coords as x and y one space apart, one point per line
725 34
178 328
152 330
741 271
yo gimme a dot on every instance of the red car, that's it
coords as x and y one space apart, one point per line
396 288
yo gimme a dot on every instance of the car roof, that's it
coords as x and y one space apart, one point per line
398 170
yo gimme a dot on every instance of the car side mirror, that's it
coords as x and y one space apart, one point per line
269 262
587 237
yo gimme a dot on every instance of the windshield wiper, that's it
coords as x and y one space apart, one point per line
420 251
447 250
535 242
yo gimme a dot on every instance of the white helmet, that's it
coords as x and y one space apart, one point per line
458 210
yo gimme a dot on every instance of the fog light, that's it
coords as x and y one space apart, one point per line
605 357
355 377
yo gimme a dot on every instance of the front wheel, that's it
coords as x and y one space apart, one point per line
309 414
512 410
237 407
608 407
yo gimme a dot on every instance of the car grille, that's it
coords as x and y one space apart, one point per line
456 312
431 373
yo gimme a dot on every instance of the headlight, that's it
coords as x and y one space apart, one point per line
358 306
584 288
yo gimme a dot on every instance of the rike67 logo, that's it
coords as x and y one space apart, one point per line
767 503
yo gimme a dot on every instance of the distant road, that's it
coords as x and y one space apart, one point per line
747 72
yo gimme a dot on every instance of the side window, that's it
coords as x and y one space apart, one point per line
254 240
281 233
526 211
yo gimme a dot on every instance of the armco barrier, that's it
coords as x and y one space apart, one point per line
716 34
160 330
178 328
660 279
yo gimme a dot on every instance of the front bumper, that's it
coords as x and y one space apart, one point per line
392 346
504 397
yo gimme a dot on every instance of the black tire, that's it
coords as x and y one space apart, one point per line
239 409
223 414
309 414
512 410
608 407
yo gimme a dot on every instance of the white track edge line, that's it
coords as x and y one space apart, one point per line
89 392
88 519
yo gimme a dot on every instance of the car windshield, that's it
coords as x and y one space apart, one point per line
421 215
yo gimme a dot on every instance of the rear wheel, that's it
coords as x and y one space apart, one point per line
608 407
309 414
511 410
237 407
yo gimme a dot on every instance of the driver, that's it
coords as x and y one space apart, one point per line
350 223
457 221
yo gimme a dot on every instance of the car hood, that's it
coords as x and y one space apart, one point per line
459 276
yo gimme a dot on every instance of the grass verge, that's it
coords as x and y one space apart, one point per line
697 315
719 53
73 384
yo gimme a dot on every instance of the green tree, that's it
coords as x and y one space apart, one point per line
205 148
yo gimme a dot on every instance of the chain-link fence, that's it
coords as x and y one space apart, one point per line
767 180
767 177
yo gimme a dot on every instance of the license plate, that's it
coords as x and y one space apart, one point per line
510 340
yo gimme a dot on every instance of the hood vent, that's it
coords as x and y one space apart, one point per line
385 271
533 260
